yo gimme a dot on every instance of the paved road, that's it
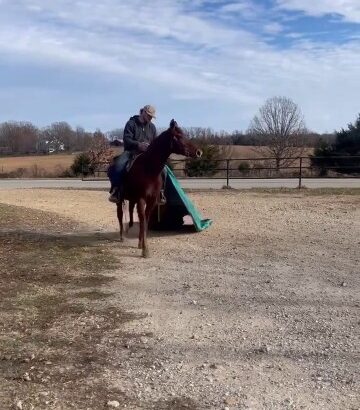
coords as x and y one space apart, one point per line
188 183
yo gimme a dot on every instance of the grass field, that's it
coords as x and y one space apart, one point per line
56 164
36 165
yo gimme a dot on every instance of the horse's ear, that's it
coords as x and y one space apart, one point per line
173 123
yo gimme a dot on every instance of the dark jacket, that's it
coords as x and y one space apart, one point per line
136 132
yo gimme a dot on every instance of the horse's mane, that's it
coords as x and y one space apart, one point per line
174 129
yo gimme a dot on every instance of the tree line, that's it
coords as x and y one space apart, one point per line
277 131
22 138
343 155
26 138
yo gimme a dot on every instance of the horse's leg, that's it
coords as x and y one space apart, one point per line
141 212
150 204
131 216
131 213
120 218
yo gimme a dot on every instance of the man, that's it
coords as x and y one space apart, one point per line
139 131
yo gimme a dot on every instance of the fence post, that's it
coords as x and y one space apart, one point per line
227 173
300 172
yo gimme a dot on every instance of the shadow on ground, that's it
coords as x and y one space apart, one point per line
61 330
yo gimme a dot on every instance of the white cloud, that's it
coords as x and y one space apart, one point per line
349 10
125 39
245 8
185 55
273 28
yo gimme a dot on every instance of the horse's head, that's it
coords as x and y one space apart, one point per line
180 144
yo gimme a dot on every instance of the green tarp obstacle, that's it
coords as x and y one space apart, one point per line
178 205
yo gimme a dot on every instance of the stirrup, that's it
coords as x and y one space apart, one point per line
162 198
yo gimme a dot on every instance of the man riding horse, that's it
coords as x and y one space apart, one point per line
139 132
143 180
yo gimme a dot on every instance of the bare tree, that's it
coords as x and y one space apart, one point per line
208 136
100 151
18 137
82 139
279 130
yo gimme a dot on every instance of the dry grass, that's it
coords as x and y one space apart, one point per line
54 323
49 163
52 165
61 332
246 151
252 159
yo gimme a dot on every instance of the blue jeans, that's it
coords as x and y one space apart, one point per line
116 170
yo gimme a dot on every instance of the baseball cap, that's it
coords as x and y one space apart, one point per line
150 110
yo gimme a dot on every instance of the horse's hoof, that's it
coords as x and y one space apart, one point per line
139 245
145 253
121 239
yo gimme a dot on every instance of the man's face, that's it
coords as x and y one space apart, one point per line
146 117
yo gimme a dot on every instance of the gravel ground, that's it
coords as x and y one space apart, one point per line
260 311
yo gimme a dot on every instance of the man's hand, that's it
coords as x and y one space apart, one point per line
143 146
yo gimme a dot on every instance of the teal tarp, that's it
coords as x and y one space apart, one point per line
176 197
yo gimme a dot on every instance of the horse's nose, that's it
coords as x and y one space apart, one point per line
198 153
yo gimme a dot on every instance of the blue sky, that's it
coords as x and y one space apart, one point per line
203 62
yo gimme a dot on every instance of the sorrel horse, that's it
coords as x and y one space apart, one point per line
143 182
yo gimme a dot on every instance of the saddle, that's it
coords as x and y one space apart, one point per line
131 161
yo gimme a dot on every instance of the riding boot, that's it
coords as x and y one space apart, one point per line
116 195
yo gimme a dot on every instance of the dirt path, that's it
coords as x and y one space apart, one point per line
261 311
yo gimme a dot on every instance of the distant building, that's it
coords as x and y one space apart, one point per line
117 143
49 147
